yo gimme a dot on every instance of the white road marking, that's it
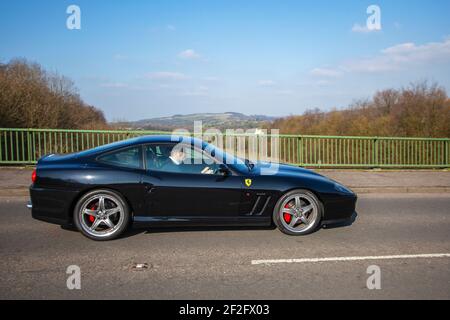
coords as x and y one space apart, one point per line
339 259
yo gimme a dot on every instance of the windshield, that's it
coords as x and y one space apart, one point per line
239 164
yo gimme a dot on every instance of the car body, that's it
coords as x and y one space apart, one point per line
235 194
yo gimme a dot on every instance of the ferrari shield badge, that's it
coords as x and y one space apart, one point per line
248 182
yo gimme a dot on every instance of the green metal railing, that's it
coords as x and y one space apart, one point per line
365 152
26 146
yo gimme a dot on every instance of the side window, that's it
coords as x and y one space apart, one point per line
172 158
194 156
130 158
157 156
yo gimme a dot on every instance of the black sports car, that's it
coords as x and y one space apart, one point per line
152 181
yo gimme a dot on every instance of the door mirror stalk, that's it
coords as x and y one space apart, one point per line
223 170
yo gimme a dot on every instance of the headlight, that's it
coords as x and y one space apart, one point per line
342 189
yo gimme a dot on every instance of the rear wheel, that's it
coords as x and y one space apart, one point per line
297 213
101 215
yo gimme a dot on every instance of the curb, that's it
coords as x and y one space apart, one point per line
14 192
362 190
24 192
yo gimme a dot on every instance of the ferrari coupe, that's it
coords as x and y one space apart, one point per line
180 181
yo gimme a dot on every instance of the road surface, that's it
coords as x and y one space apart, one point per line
211 263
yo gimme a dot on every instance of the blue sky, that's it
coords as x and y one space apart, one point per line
142 59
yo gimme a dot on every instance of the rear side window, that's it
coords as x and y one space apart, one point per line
130 158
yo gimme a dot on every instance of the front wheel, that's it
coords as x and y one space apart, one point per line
101 215
297 213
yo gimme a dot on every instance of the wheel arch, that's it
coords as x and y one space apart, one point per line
314 192
86 191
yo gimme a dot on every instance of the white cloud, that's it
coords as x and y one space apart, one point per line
398 57
404 47
357 28
189 54
119 56
402 56
165 86
167 75
114 85
360 29
315 83
200 91
211 79
325 72
163 28
266 83
284 92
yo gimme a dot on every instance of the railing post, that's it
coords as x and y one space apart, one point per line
300 150
1 147
375 152
28 145
447 151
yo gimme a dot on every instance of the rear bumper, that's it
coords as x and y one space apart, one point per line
50 205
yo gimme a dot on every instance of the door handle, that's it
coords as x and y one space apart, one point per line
149 188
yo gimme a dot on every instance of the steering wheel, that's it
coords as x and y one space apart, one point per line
159 162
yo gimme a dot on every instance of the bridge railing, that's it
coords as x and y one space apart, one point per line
365 152
26 146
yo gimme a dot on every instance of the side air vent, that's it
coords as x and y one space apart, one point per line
260 206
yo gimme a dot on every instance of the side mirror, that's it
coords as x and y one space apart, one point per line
223 170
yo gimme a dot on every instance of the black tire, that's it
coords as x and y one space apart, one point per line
309 228
110 198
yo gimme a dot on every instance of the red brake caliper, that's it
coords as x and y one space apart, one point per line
287 217
92 218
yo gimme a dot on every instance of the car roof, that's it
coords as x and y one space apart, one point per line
169 139
137 141
164 138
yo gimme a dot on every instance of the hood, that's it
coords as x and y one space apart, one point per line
294 169
302 175
286 170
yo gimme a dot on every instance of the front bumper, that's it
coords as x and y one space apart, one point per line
340 222
339 207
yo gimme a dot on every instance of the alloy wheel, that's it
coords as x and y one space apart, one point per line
299 213
101 215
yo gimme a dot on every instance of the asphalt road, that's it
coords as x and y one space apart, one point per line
217 263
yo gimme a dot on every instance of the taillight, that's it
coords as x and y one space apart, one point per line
33 176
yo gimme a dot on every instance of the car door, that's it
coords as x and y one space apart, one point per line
187 192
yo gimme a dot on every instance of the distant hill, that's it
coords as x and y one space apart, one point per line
227 120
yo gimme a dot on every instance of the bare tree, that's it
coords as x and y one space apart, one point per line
421 109
31 97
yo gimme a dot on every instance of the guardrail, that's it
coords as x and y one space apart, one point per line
26 146
365 152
